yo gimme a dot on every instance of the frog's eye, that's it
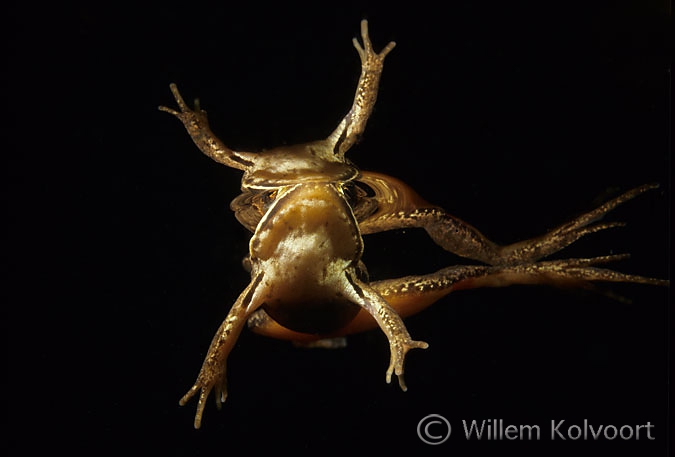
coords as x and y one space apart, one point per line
264 200
269 196
352 193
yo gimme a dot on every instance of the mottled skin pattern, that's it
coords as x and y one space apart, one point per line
308 209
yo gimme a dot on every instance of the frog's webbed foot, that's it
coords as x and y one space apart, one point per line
353 124
399 348
197 125
566 234
195 118
211 377
411 294
391 324
369 58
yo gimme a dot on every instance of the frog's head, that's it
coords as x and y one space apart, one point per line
288 165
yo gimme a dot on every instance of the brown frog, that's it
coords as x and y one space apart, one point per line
308 207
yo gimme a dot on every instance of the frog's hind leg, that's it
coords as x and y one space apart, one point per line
409 295
412 294
459 237
566 234
535 248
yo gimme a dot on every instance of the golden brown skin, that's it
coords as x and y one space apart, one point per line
308 208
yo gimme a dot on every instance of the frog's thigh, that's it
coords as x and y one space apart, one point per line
406 296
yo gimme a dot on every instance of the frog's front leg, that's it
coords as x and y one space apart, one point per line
353 124
409 210
391 324
197 125
213 372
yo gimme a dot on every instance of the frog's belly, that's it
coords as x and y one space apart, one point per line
307 289
307 247
320 316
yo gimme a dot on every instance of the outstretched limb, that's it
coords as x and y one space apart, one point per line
353 124
213 373
458 237
197 125
391 324
411 294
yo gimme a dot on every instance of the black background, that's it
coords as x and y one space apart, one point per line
123 256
